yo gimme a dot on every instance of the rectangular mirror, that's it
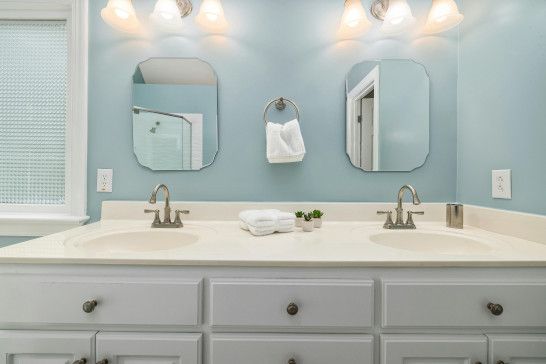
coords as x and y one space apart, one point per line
387 115
175 114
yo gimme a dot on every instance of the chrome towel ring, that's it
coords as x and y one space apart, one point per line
280 104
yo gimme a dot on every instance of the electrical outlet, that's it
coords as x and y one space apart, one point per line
104 180
502 184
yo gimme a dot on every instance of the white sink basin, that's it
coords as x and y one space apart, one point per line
433 243
136 240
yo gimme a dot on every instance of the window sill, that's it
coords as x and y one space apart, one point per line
24 224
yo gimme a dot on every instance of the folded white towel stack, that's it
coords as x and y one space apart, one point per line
284 142
265 222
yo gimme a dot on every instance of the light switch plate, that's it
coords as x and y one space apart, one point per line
104 180
501 184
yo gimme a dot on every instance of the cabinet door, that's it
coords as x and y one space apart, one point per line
517 349
433 349
149 348
46 347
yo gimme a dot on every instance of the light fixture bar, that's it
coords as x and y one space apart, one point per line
379 8
185 7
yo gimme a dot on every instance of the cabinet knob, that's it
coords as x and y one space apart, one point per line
103 361
89 306
292 310
292 361
501 362
81 361
495 309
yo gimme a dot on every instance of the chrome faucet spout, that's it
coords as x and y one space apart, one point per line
167 209
415 197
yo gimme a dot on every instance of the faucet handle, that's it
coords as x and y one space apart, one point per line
177 213
157 220
389 223
409 221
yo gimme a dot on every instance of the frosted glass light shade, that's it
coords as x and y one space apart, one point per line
398 18
443 16
166 15
211 16
121 15
354 21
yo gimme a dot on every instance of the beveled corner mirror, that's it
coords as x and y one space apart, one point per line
175 114
387 116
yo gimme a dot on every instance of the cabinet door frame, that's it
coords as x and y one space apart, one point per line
112 345
509 347
77 344
396 348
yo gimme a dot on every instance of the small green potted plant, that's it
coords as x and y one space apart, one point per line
317 218
308 225
299 218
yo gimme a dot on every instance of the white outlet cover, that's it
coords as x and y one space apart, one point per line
104 180
501 184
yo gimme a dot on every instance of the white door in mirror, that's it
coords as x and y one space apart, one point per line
502 184
104 180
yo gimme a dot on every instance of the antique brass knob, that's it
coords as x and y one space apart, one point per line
501 362
103 361
89 306
292 361
81 361
495 309
292 309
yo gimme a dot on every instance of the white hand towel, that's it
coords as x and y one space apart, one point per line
265 222
284 142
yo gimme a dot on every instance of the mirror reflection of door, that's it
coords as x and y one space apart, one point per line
366 126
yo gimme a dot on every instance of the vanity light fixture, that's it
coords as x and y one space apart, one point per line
395 14
168 14
121 15
211 16
354 21
443 16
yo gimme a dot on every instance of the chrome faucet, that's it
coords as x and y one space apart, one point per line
399 224
167 222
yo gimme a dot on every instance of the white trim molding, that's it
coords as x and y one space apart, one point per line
37 220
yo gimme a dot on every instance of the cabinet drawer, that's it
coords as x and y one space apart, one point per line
284 349
463 304
292 303
59 300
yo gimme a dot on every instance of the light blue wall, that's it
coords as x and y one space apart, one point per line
273 48
8 240
502 102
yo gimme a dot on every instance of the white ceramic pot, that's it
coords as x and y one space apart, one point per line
299 221
318 222
308 226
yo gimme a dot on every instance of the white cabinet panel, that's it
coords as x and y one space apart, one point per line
333 304
120 301
291 349
517 349
462 304
46 347
433 349
149 348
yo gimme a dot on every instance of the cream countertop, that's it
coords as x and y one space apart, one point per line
223 243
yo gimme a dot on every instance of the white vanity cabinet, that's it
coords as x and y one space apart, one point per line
517 349
271 315
46 347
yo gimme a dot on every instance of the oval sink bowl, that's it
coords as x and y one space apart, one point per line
142 241
433 243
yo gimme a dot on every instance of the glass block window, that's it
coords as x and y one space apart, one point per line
33 111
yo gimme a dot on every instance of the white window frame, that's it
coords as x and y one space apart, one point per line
38 220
